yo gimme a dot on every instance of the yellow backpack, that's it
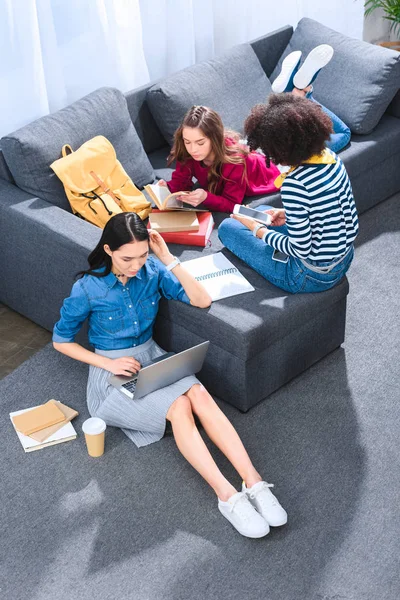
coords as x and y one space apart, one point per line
96 183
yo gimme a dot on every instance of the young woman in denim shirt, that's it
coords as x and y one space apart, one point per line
119 295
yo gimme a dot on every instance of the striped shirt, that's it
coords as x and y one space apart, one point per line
321 215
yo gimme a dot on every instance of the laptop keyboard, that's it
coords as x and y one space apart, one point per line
130 386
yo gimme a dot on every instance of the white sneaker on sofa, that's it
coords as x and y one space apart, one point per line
266 503
284 81
314 62
243 516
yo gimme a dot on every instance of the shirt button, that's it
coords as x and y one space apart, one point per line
130 306
134 344
152 302
135 322
110 318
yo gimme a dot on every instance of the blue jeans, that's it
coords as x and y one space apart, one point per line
341 133
293 276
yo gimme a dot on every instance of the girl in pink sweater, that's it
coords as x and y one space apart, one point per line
225 170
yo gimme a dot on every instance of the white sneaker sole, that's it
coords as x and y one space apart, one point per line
278 523
288 65
316 60
242 532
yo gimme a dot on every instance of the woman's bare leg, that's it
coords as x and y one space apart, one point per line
193 448
221 431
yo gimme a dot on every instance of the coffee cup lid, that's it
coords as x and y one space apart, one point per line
94 426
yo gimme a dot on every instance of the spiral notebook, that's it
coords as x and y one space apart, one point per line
218 275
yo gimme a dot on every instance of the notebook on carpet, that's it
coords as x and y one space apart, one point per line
218 275
38 418
65 433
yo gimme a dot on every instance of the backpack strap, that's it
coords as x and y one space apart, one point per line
103 186
65 148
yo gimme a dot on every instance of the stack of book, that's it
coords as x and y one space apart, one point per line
44 425
176 223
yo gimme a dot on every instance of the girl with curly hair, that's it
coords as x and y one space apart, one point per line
226 170
309 246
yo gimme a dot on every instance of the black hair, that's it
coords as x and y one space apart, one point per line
120 229
288 129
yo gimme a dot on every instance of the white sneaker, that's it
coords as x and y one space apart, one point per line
318 58
265 502
243 516
284 81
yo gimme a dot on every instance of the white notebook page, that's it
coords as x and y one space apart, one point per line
218 275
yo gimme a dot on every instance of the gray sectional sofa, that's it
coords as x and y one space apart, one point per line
259 341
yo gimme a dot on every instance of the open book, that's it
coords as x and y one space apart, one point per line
166 200
218 275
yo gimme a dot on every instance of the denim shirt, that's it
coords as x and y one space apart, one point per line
120 316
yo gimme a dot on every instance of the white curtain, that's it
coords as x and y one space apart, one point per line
53 52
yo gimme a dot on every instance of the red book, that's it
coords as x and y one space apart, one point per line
192 238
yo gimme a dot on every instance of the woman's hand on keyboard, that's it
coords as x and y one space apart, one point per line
126 365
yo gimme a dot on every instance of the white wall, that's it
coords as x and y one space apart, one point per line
248 20
376 28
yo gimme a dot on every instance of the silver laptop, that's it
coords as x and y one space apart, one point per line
161 372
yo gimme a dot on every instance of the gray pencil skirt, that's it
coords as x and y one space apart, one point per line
143 420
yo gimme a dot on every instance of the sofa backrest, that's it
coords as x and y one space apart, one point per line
394 107
268 50
30 151
5 172
360 81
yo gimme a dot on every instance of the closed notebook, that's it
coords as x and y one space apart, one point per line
218 275
44 434
192 238
166 222
40 417
64 434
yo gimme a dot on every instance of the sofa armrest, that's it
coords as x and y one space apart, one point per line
394 107
270 47
42 248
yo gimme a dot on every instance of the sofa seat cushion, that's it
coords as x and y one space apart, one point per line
231 84
246 324
366 151
360 81
29 151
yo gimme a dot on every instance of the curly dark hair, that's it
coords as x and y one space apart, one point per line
288 129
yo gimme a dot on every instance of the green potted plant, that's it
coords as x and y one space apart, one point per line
391 9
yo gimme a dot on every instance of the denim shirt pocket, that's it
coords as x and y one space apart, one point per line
111 321
149 306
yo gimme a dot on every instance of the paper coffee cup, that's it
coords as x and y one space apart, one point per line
95 431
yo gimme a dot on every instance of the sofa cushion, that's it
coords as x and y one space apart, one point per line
230 84
30 150
365 152
359 82
247 324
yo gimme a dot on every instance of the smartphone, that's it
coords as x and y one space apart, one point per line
256 215
280 256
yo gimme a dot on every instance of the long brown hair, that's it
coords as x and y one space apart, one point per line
211 125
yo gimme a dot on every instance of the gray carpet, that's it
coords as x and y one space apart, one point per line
141 524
